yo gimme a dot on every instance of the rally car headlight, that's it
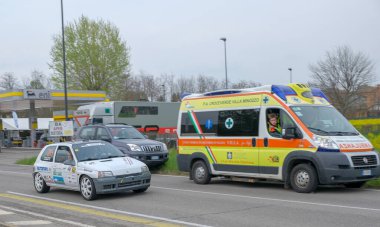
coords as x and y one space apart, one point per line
164 146
104 174
325 142
134 147
144 169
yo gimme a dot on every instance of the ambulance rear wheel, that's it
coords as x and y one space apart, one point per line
303 178
200 173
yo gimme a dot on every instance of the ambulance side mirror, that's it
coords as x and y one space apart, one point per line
291 133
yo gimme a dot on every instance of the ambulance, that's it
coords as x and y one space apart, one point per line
289 133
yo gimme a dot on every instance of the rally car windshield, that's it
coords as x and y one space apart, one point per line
125 133
96 151
324 120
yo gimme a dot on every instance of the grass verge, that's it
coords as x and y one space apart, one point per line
27 161
170 167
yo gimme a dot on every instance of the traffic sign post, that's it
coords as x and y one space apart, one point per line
81 117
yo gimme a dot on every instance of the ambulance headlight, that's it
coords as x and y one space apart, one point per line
134 147
104 174
325 142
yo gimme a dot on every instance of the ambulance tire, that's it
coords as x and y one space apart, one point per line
87 188
40 184
200 173
303 178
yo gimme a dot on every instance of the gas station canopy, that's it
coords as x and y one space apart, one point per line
21 99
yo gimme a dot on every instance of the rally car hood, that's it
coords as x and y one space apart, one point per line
118 166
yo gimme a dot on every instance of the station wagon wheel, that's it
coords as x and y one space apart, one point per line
200 173
87 188
40 184
303 178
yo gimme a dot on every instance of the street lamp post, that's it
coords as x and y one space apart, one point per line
64 64
164 93
290 70
225 57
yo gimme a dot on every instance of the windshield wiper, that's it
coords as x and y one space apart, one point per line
318 130
113 156
89 159
343 133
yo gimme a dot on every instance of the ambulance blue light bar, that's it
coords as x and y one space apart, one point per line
282 91
183 95
226 92
318 92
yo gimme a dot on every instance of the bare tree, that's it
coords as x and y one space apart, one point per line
245 84
8 81
207 83
149 86
343 74
37 80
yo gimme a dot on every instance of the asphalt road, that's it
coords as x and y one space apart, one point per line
177 201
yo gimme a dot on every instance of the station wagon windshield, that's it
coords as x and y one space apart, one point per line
96 151
125 133
324 120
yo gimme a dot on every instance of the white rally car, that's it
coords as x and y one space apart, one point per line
94 167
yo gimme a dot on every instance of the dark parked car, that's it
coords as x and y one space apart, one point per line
128 140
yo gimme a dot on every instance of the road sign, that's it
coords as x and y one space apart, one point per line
61 128
81 116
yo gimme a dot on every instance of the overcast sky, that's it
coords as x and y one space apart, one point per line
264 38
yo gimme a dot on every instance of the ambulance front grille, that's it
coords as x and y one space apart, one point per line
364 160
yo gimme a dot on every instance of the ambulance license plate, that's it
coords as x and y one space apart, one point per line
366 172
154 157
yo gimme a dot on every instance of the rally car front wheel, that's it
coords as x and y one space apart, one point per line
40 184
87 188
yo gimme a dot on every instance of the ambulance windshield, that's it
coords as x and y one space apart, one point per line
324 120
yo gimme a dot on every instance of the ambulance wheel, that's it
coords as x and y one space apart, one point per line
87 188
303 178
355 184
200 173
40 184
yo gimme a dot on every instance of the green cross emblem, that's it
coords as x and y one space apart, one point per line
229 123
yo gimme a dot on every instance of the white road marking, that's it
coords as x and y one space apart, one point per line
36 222
46 217
113 210
3 212
268 199
12 172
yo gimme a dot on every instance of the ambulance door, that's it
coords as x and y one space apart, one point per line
237 131
274 149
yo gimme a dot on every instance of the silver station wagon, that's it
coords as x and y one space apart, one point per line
95 167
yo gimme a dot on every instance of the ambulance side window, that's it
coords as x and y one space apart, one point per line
278 119
238 122
207 121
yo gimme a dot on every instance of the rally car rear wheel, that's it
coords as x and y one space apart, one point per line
40 184
87 188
